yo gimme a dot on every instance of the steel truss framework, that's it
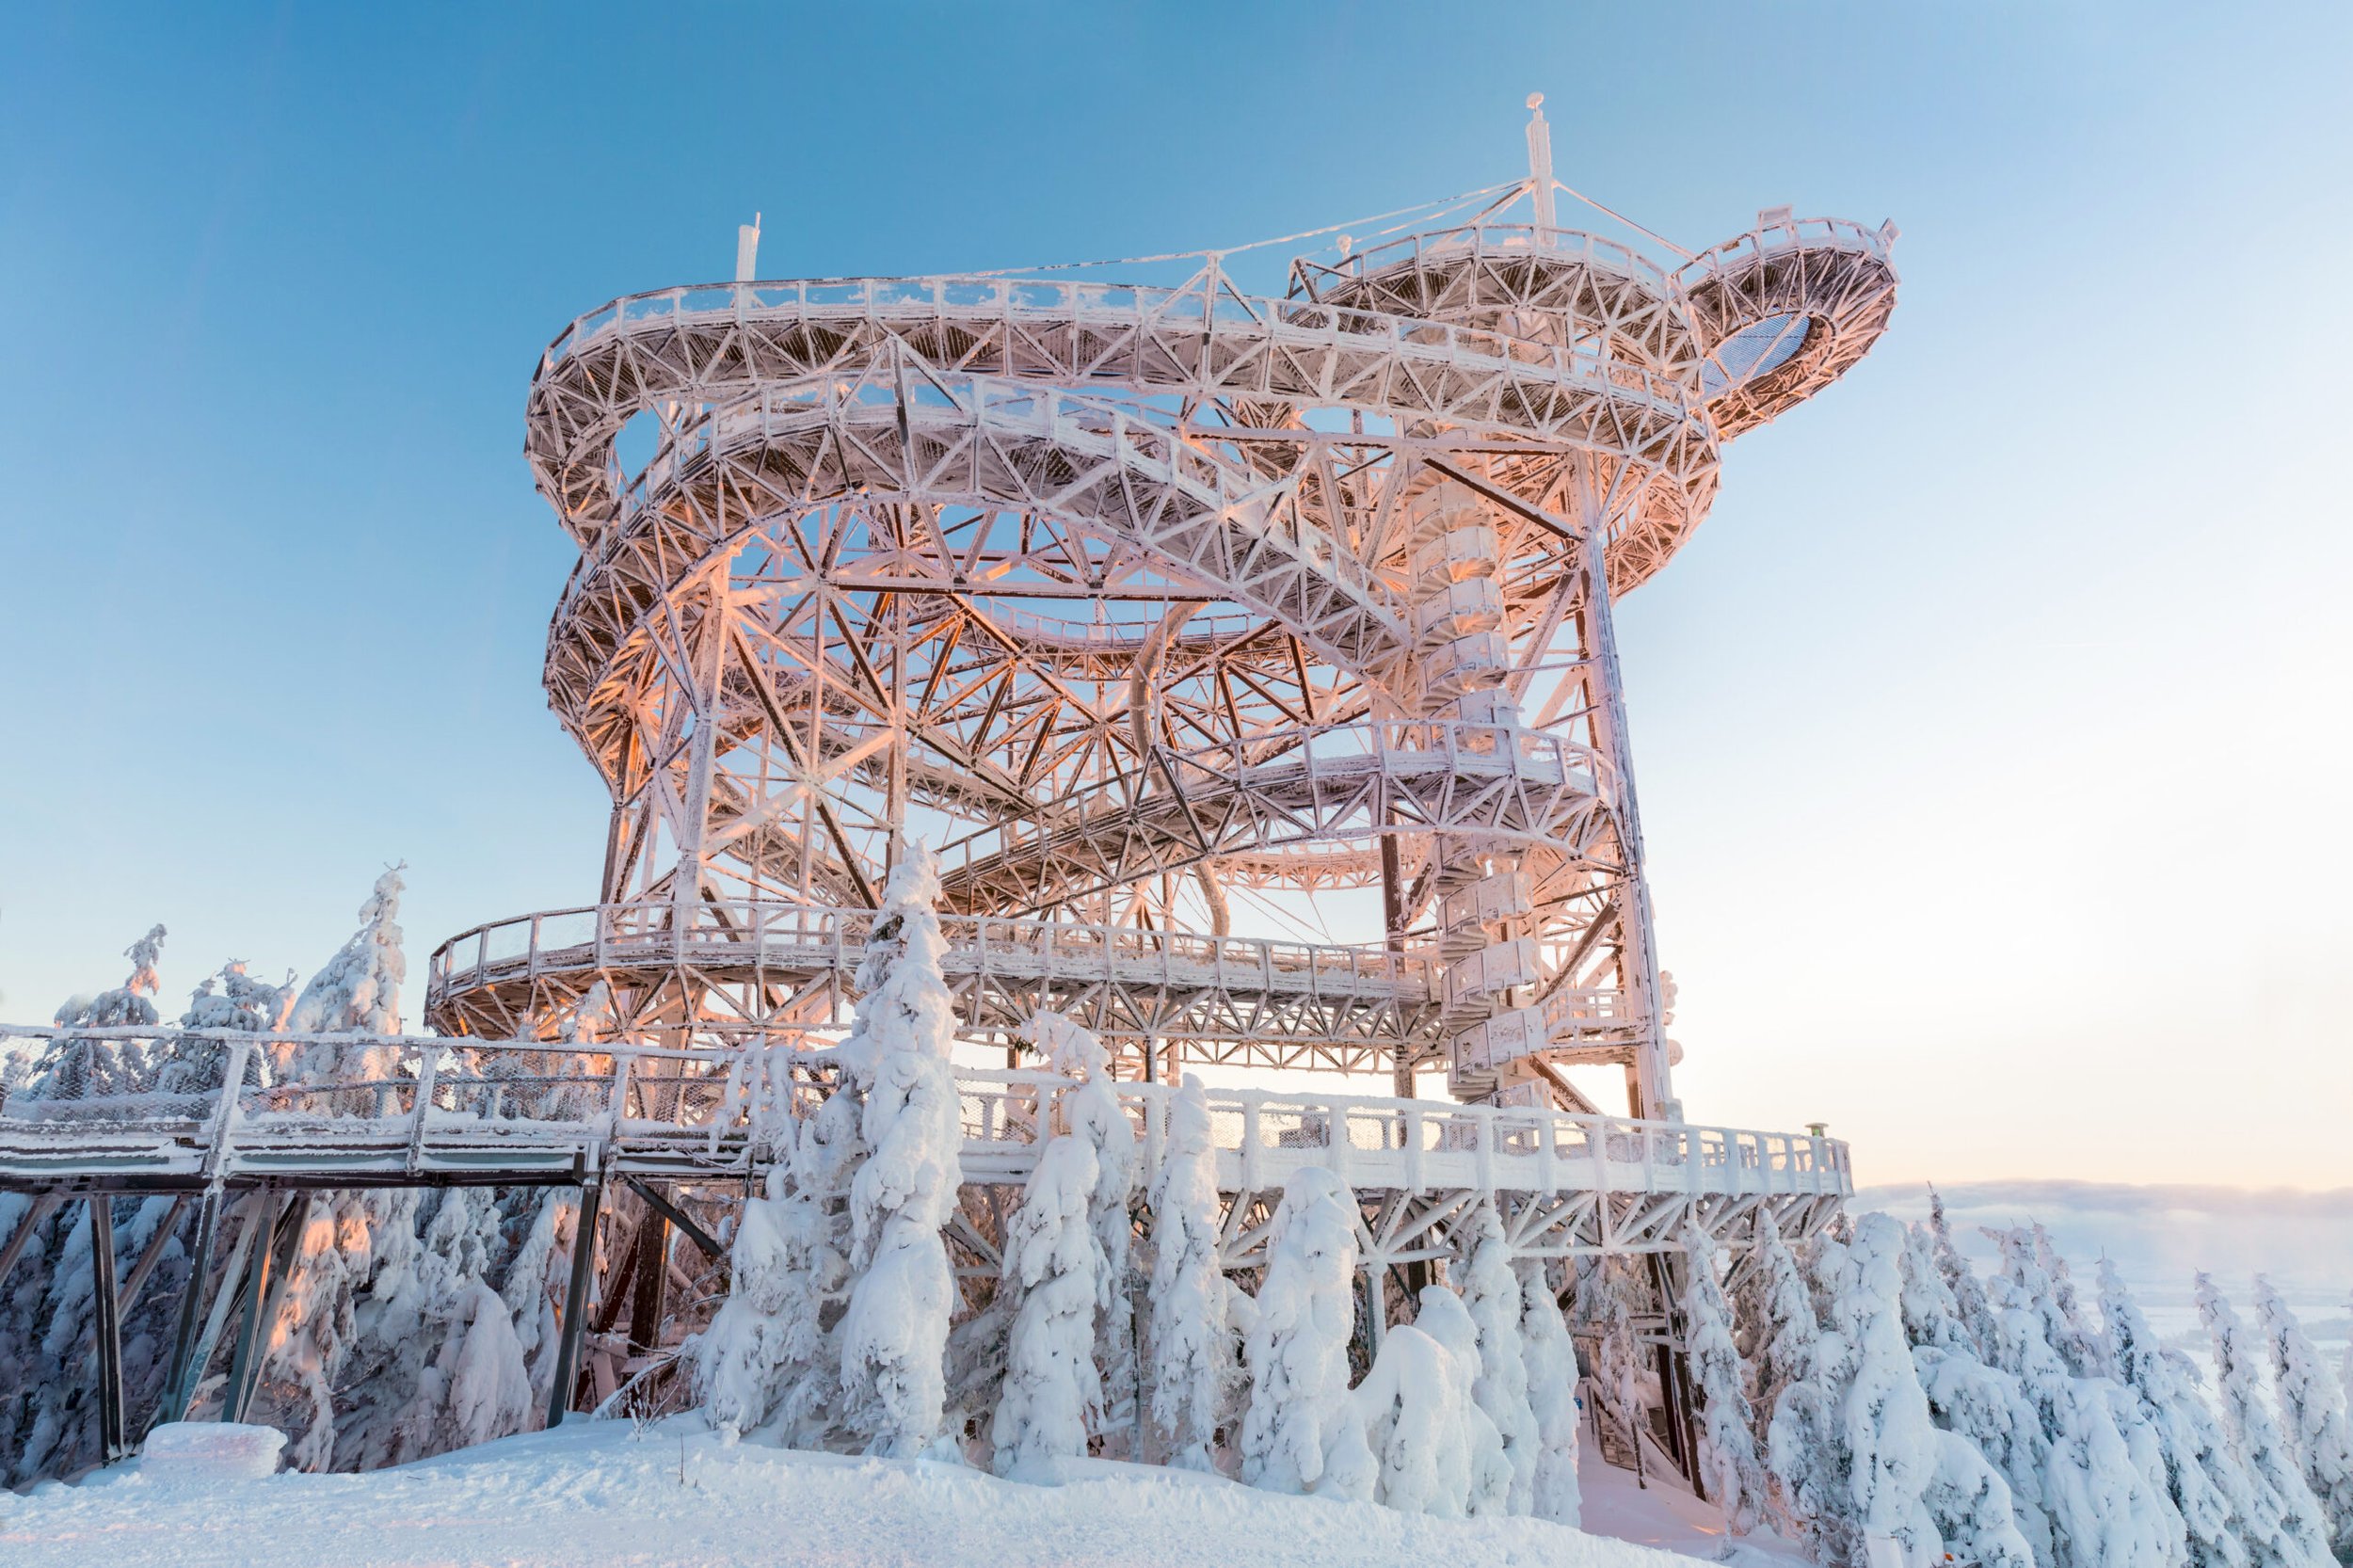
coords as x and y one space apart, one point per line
1132 600
1135 599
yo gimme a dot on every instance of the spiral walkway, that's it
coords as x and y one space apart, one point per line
1136 600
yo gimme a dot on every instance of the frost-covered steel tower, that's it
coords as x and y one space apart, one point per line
1136 600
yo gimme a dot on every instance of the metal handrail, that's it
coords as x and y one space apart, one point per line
720 1106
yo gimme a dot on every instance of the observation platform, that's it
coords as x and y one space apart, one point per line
1230 1000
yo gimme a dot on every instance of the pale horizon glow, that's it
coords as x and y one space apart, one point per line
1991 735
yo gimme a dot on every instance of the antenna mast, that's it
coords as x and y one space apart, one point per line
1540 160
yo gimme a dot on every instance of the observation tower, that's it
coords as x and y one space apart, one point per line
1155 609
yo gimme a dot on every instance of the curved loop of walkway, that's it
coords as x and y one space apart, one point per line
713 343
1345 782
968 441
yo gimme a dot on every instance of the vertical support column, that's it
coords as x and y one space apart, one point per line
1675 1374
179 1375
573 1327
653 1279
1638 959
1393 937
701 680
107 1316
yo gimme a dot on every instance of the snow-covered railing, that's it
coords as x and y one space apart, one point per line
1207 300
796 937
336 1110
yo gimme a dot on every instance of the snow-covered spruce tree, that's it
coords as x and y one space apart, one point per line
2254 1436
73 1067
2025 1264
737 1363
769 1354
1736 1475
2086 1350
894 1336
427 1324
2103 1511
48 1418
1092 1112
349 1238
1805 1440
2312 1415
1977 1313
1434 1449
1927 1488
1618 1363
1552 1377
1192 1334
2225 1518
1054 1265
1410 1408
1983 1405
1490 1294
536 1276
1790 1327
1298 1433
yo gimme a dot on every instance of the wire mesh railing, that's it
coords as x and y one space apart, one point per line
420 1102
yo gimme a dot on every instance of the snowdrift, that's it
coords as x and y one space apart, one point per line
602 1493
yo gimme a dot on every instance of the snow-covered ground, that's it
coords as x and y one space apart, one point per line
606 1493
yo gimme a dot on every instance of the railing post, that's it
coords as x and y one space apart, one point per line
227 1114
428 1066
1249 1142
616 1109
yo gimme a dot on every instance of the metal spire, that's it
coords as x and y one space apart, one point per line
1540 160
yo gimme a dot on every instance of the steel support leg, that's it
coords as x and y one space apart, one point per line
36 1213
263 1285
571 1330
107 1316
180 1376
653 1279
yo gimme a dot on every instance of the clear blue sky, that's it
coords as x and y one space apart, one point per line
1993 733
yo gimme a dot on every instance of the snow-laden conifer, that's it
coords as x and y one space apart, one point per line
894 1336
74 1067
2312 1415
1092 1113
1490 1294
1890 1437
739 1361
2208 1487
2085 1348
1969 1299
1806 1446
1192 1334
2102 1510
1790 1327
1298 1433
1736 1476
1434 1449
1054 1266
1981 1405
1552 1378
2285 1510
1618 1371
353 1244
